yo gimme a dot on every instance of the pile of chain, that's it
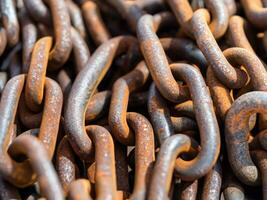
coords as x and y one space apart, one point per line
133 99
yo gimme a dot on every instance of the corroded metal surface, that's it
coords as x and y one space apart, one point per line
133 99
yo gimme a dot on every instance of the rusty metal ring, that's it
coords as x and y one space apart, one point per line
84 86
184 13
228 75
236 135
165 164
10 21
63 43
207 124
105 162
157 62
119 102
35 82
94 22
39 160
144 153
255 12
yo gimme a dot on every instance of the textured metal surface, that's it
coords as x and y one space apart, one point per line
133 99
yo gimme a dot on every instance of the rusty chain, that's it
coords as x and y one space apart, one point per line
133 99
